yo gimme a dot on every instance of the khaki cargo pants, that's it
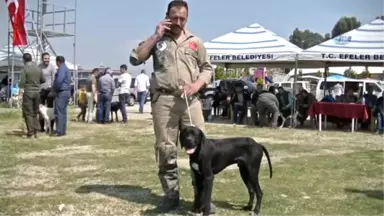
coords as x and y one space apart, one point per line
169 113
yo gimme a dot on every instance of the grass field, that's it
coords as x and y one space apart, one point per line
110 170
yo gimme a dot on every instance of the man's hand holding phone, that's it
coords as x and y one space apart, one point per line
162 27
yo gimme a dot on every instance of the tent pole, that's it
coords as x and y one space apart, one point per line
326 68
13 70
294 89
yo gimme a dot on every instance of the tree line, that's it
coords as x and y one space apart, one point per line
306 38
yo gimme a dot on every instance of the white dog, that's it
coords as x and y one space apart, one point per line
48 116
15 101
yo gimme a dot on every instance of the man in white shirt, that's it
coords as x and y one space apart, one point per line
142 86
125 83
338 90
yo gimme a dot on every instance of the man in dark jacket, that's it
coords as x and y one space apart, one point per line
31 79
254 98
240 103
268 103
62 88
379 111
285 102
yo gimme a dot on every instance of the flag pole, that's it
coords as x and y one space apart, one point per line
9 57
13 68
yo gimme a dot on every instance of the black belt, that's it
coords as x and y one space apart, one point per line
166 91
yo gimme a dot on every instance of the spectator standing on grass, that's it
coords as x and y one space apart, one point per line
30 81
82 104
142 86
62 88
124 80
91 91
379 112
106 88
46 93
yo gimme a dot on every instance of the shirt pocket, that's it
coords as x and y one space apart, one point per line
190 54
190 57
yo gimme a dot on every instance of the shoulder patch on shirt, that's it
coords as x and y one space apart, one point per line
161 45
193 45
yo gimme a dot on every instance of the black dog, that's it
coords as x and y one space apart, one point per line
115 106
207 157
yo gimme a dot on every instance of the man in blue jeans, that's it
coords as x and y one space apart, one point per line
142 86
62 89
106 87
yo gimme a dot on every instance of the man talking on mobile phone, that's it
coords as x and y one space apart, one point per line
182 67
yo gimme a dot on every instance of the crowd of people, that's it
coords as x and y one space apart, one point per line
273 104
277 105
43 84
101 95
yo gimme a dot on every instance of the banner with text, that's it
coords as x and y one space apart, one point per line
353 57
244 57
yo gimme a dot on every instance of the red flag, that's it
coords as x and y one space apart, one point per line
16 11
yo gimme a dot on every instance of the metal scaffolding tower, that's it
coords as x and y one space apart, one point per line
45 21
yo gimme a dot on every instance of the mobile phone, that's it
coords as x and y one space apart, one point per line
169 25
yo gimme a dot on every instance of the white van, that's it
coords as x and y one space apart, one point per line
289 85
359 86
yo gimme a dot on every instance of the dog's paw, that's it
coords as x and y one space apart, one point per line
254 214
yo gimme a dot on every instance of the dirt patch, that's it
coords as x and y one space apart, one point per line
83 168
32 176
280 157
21 193
66 151
275 158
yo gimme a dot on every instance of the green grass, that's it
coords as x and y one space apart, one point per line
110 170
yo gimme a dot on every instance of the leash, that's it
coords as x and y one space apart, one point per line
189 110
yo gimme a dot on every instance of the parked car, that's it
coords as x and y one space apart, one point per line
133 93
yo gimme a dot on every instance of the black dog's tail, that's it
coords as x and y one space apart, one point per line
269 160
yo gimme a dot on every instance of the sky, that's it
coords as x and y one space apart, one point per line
108 30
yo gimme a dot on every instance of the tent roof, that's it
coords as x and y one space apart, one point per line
339 70
363 45
251 44
338 77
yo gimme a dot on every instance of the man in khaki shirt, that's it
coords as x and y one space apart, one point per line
90 88
182 67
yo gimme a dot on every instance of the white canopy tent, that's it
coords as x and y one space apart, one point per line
363 46
18 58
251 45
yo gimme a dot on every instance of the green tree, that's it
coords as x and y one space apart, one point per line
220 73
305 39
345 24
365 74
327 37
351 74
